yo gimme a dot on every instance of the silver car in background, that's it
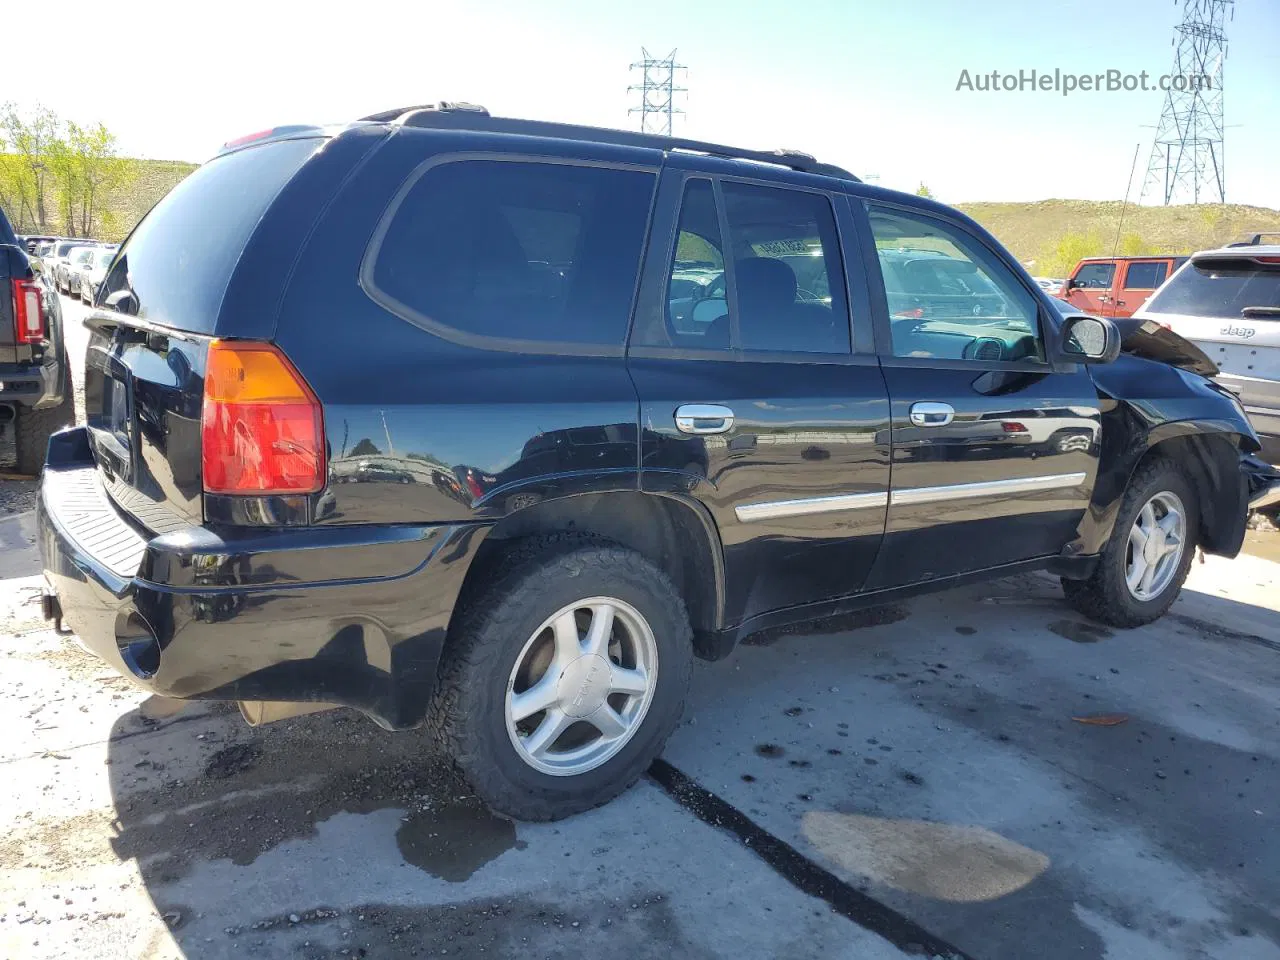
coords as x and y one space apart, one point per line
1227 302
95 271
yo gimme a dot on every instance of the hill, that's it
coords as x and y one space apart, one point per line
155 178
1049 235
1056 233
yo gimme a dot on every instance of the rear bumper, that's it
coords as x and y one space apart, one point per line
32 384
351 615
1263 480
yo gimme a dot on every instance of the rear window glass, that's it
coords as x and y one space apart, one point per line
1220 288
177 262
488 252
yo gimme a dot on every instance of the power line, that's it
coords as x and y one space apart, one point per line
1187 161
658 91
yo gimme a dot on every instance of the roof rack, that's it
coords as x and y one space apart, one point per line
469 116
1254 241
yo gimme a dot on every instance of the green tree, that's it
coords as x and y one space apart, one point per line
924 191
1065 252
1132 245
31 139
99 169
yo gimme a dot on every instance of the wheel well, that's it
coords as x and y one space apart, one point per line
1212 463
675 536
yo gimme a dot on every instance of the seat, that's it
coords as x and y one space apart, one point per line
770 318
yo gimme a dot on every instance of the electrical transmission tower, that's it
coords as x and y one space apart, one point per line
1186 157
657 92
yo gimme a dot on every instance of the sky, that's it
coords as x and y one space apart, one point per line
868 84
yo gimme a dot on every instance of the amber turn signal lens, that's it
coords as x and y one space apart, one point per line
261 426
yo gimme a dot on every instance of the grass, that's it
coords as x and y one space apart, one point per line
1034 231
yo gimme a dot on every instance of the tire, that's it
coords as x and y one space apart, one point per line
493 636
1106 595
33 428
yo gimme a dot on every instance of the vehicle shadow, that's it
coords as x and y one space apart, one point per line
202 801
210 810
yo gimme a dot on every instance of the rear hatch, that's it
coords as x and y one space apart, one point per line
1228 304
160 305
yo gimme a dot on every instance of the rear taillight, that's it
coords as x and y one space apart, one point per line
915 313
261 427
28 312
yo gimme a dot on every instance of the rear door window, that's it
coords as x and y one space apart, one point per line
1222 288
179 259
786 255
512 254
1145 275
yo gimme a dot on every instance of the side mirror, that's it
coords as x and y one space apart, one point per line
710 309
1070 285
1087 339
122 301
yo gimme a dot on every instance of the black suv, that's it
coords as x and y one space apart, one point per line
35 379
399 416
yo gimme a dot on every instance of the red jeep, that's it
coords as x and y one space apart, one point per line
1117 286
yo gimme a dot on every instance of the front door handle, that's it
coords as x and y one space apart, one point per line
703 418
931 413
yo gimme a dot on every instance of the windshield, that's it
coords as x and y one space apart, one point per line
1219 287
104 257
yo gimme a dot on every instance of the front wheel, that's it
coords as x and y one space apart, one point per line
564 678
1142 568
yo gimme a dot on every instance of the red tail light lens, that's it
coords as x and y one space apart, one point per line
1013 426
261 427
28 312
915 313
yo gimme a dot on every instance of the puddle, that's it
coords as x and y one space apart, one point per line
455 841
231 760
1080 632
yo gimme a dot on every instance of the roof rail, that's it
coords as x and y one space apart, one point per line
466 116
1254 241
443 106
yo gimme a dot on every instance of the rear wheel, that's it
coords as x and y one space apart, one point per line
33 428
564 679
1143 566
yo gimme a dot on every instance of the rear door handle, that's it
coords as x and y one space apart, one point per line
703 418
931 413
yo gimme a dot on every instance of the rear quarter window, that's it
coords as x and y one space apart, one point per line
179 259
504 254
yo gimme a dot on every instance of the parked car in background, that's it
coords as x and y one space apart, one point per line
33 242
93 272
77 263
1050 285
56 261
1227 302
558 496
1117 286
35 379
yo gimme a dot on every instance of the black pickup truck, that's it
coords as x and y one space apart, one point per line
35 378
